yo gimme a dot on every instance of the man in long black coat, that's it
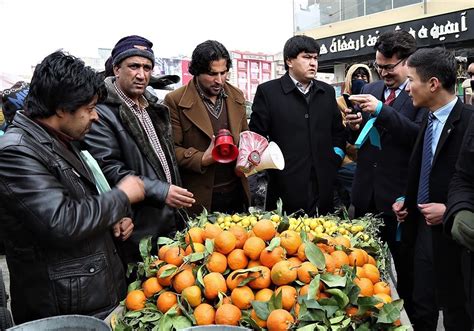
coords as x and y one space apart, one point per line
300 114
437 262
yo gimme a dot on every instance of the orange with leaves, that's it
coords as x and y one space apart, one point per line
365 285
288 296
235 278
291 241
162 251
340 258
240 234
165 301
211 231
195 234
283 273
330 263
135 300
242 297
151 286
279 320
194 248
261 323
214 283
301 253
262 278
306 272
385 298
253 247
204 314
193 295
263 295
325 248
270 258
371 272
358 257
382 287
228 314
224 242
237 259
342 241
183 279
175 255
216 262
264 229
162 279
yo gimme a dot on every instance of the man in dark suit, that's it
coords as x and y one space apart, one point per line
384 150
437 262
300 114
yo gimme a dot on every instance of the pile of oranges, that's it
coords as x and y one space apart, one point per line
212 275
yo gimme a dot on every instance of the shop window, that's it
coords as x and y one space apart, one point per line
352 9
375 6
330 11
401 3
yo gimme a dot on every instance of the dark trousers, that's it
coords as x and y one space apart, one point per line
229 202
431 285
401 252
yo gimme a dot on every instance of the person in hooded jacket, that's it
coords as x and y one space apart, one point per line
357 76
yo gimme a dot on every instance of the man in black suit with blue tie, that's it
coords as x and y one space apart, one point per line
438 283
386 131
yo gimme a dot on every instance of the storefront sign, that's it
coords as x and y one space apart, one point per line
437 30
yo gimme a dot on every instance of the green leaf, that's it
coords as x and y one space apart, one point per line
314 255
209 245
151 317
261 309
249 320
136 285
130 268
273 244
166 322
333 280
313 289
145 247
341 298
134 314
363 327
388 314
275 301
168 272
181 322
308 327
279 205
193 257
164 241
336 320
199 278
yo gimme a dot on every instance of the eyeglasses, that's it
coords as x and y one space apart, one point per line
387 67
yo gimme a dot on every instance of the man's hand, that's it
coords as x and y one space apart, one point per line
433 212
400 211
179 197
463 229
367 102
123 228
207 158
353 120
133 187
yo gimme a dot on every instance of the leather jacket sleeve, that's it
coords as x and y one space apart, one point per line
104 143
52 200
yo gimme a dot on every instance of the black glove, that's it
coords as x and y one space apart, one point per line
463 229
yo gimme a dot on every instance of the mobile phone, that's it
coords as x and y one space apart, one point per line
349 104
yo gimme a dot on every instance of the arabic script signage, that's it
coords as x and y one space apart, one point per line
442 29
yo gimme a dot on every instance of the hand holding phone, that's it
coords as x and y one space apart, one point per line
349 103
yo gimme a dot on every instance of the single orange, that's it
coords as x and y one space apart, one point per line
135 300
242 297
224 242
151 286
264 229
283 273
217 262
165 301
240 234
269 258
279 320
196 235
204 314
291 241
253 247
228 314
237 259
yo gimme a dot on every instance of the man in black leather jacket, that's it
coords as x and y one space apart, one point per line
133 136
58 230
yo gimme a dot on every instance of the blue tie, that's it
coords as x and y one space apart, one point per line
424 184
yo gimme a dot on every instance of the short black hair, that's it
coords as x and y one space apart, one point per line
435 62
62 81
298 44
399 43
205 53
360 71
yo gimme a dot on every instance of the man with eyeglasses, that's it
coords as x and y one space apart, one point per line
385 132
